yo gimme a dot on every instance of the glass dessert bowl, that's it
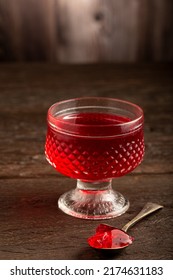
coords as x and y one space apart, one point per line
94 140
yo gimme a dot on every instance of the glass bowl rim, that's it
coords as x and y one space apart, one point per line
138 120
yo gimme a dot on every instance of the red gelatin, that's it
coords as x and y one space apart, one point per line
108 237
99 149
103 227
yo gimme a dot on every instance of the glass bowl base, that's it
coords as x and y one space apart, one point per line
94 205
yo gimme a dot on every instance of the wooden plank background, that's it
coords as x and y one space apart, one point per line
86 30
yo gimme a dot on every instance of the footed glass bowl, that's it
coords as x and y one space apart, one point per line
94 140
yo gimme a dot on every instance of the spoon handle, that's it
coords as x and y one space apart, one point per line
148 209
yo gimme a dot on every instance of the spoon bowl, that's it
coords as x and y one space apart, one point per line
108 237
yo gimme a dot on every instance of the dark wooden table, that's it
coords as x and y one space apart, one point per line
31 225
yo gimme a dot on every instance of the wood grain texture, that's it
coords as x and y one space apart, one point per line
28 30
32 227
86 31
154 30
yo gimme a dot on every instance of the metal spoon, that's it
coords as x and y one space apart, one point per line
108 237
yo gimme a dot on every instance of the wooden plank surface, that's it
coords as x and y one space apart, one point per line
86 31
32 227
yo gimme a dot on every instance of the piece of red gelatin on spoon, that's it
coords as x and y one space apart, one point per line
111 239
